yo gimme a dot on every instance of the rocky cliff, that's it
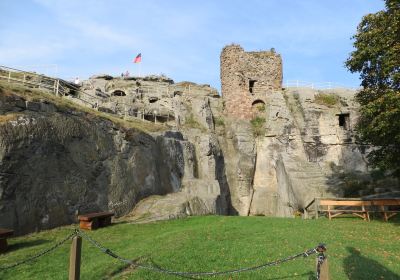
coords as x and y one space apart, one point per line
300 144
57 160
150 149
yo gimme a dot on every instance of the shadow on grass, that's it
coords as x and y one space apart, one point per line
379 217
25 244
358 267
124 269
395 220
310 274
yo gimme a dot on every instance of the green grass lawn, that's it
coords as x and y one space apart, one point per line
356 249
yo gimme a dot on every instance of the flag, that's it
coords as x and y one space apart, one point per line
138 58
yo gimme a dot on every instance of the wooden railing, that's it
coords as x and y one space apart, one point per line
31 79
58 87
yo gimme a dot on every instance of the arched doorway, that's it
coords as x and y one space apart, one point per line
258 107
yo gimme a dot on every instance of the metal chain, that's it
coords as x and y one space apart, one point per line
40 254
185 273
321 258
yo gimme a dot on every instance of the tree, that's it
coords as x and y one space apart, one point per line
377 58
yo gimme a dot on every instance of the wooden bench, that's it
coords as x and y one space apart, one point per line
4 234
383 207
354 207
94 221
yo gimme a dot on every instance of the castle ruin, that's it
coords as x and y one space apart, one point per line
247 78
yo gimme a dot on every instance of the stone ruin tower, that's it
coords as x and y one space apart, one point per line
247 78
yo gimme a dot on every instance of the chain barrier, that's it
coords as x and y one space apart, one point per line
319 250
187 273
40 254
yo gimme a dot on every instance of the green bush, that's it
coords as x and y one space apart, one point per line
219 121
261 107
258 125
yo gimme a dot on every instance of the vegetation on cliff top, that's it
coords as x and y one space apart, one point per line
356 249
377 58
37 95
327 99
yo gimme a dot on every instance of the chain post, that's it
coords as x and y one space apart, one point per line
322 263
75 258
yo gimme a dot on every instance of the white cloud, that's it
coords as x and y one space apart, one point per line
17 49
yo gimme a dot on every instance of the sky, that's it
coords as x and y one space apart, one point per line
181 39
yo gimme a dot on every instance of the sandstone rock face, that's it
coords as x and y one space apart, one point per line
205 189
308 149
198 197
57 163
238 147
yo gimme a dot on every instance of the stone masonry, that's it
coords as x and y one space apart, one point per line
247 78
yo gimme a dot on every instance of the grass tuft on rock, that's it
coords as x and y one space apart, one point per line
327 99
258 126
191 122
219 121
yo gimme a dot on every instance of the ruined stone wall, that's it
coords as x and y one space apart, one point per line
247 77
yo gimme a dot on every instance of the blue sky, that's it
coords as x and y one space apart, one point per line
182 39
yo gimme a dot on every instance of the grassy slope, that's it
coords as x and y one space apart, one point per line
64 103
357 249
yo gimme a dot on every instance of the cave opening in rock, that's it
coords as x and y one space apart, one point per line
344 120
149 117
118 93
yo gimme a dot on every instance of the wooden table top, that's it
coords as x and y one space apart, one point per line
4 232
90 216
